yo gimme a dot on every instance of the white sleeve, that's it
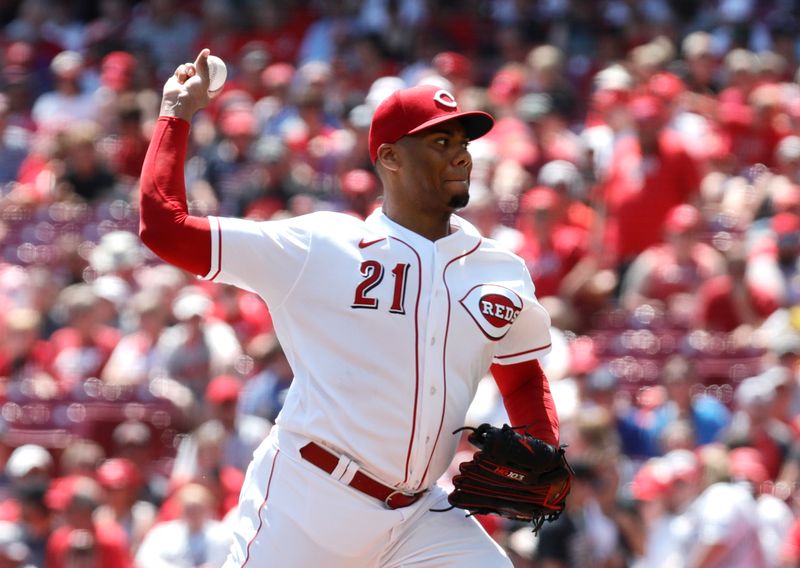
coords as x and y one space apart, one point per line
266 257
529 336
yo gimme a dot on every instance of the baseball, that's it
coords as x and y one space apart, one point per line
217 73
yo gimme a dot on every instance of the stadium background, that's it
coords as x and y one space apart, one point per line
645 164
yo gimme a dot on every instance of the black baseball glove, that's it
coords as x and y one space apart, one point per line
514 475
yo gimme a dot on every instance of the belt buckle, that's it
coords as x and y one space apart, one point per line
387 501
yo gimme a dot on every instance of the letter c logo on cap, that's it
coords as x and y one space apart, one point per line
445 98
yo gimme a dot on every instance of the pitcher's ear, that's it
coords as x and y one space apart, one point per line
388 157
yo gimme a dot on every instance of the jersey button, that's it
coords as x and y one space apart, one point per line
433 391
433 341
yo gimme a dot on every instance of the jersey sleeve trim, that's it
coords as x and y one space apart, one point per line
523 355
216 249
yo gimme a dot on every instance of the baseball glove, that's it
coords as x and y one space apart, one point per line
514 475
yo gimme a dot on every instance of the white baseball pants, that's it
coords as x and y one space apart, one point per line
294 515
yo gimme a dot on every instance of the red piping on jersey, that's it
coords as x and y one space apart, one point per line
444 355
522 352
416 354
263 503
219 251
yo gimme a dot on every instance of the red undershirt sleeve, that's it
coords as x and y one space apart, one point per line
527 398
165 225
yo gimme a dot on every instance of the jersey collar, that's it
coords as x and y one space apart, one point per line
464 235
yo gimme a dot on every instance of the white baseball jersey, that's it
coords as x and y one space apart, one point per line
388 333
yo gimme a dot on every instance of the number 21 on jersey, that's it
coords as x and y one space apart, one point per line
372 271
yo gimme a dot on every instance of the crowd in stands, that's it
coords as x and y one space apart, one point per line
645 164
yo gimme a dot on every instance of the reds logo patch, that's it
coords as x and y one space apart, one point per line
494 308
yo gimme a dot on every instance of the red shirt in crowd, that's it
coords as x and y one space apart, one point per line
111 547
76 359
549 262
716 307
640 190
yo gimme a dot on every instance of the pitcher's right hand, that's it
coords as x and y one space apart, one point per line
186 92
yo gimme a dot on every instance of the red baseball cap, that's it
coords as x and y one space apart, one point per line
540 197
117 70
748 463
358 182
452 64
223 388
118 473
785 223
683 218
412 110
646 107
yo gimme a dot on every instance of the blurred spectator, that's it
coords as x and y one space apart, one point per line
119 253
133 440
608 117
201 459
68 104
720 528
269 185
276 80
754 425
35 521
220 31
82 457
106 32
224 172
122 482
583 535
701 75
128 143
242 432
307 124
264 392
565 178
14 144
609 411
82 347
775 259
548 131
195 539
29 464
281 29
550 247
82 496
650 174
671 271
86 173
547 75
166 32
456 68
243 311
134 359
14 553
483 211
665 488
774 518
706 416
245 432
359 188
194 349
730 300
23 355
